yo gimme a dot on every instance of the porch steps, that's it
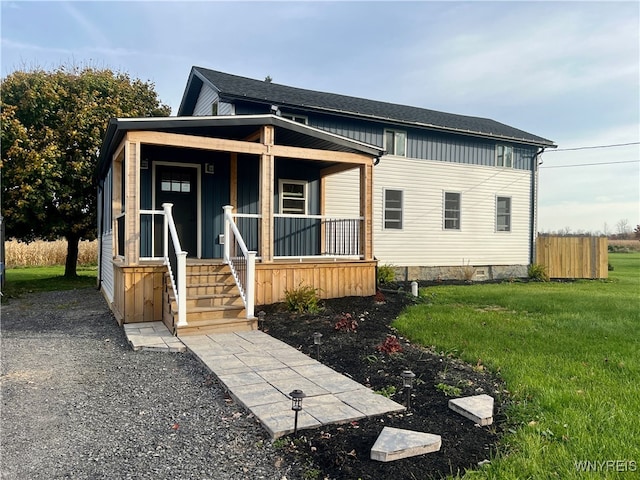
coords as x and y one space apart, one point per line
214 304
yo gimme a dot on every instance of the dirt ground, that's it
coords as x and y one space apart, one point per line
343 451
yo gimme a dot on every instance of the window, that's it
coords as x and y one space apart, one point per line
452 211
293 197
176 182
393 209
503 214
296 118
395 143
504 156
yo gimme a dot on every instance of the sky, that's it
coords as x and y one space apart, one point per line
565 71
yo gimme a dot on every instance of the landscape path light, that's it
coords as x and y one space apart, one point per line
317 336
261 315
296 405
407 383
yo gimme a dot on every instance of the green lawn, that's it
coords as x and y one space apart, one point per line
39 279
570 356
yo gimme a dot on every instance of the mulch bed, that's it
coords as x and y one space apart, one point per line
343 451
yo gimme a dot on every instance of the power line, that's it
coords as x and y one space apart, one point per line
591 147
590 164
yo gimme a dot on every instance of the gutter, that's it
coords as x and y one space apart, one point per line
533 221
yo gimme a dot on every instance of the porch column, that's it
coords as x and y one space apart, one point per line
132 202
266 195
366 210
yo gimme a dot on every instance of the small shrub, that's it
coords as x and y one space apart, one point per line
346 323
449 390
538 272
388 391
303 299
380 298
386 274
467 272
390 345
610 267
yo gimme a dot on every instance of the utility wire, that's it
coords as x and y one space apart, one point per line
590 164
591 147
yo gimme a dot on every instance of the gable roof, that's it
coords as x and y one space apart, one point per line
234 87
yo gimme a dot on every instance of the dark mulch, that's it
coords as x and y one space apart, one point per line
343 451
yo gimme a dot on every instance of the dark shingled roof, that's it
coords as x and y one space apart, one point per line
235 87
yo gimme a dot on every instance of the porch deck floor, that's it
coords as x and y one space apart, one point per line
260 371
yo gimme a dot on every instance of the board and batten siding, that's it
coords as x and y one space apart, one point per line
423 241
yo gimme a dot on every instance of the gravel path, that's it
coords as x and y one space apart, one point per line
78 403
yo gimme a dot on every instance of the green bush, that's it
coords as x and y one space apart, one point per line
386 274
303 299
538 272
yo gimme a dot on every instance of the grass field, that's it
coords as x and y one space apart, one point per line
570 356
39 279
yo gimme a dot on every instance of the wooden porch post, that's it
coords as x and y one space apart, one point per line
132 202
266 195
233 180
366 210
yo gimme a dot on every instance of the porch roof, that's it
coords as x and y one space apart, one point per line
234 127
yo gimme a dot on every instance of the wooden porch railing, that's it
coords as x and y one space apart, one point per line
241 261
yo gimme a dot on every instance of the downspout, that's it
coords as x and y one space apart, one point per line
534 205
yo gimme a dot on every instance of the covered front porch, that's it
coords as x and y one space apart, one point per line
247 192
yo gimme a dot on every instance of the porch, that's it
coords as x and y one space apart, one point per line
219 197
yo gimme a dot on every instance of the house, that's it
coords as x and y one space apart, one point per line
453 197
257 188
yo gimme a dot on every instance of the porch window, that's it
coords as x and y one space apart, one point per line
293 197
395 142
393 209
503 214
504 156
452 210
176 182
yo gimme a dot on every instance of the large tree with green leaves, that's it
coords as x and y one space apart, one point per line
52 126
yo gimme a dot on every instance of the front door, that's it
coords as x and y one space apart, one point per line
179 186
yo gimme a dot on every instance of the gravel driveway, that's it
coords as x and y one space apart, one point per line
78 403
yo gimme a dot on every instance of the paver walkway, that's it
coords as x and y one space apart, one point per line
260 371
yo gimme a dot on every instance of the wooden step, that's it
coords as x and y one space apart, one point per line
220 326
214 288
203 278
215 300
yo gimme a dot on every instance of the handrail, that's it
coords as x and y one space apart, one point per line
243 268
178 284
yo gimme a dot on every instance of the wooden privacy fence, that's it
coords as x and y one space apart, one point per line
573 257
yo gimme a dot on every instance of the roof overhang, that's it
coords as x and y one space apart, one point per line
235 127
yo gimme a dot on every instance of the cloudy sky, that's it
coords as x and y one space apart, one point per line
566 71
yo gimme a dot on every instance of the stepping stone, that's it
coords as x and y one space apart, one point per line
396 443
478 408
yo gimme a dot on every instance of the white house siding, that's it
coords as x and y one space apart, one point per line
206 98
342 195
424 240
106 264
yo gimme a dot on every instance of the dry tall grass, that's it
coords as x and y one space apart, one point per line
44 254
625 245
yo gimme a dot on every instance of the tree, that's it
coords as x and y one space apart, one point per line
623 228
636 232
52 125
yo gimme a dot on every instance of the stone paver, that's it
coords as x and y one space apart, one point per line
152 336
260 371
396 443
478 408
